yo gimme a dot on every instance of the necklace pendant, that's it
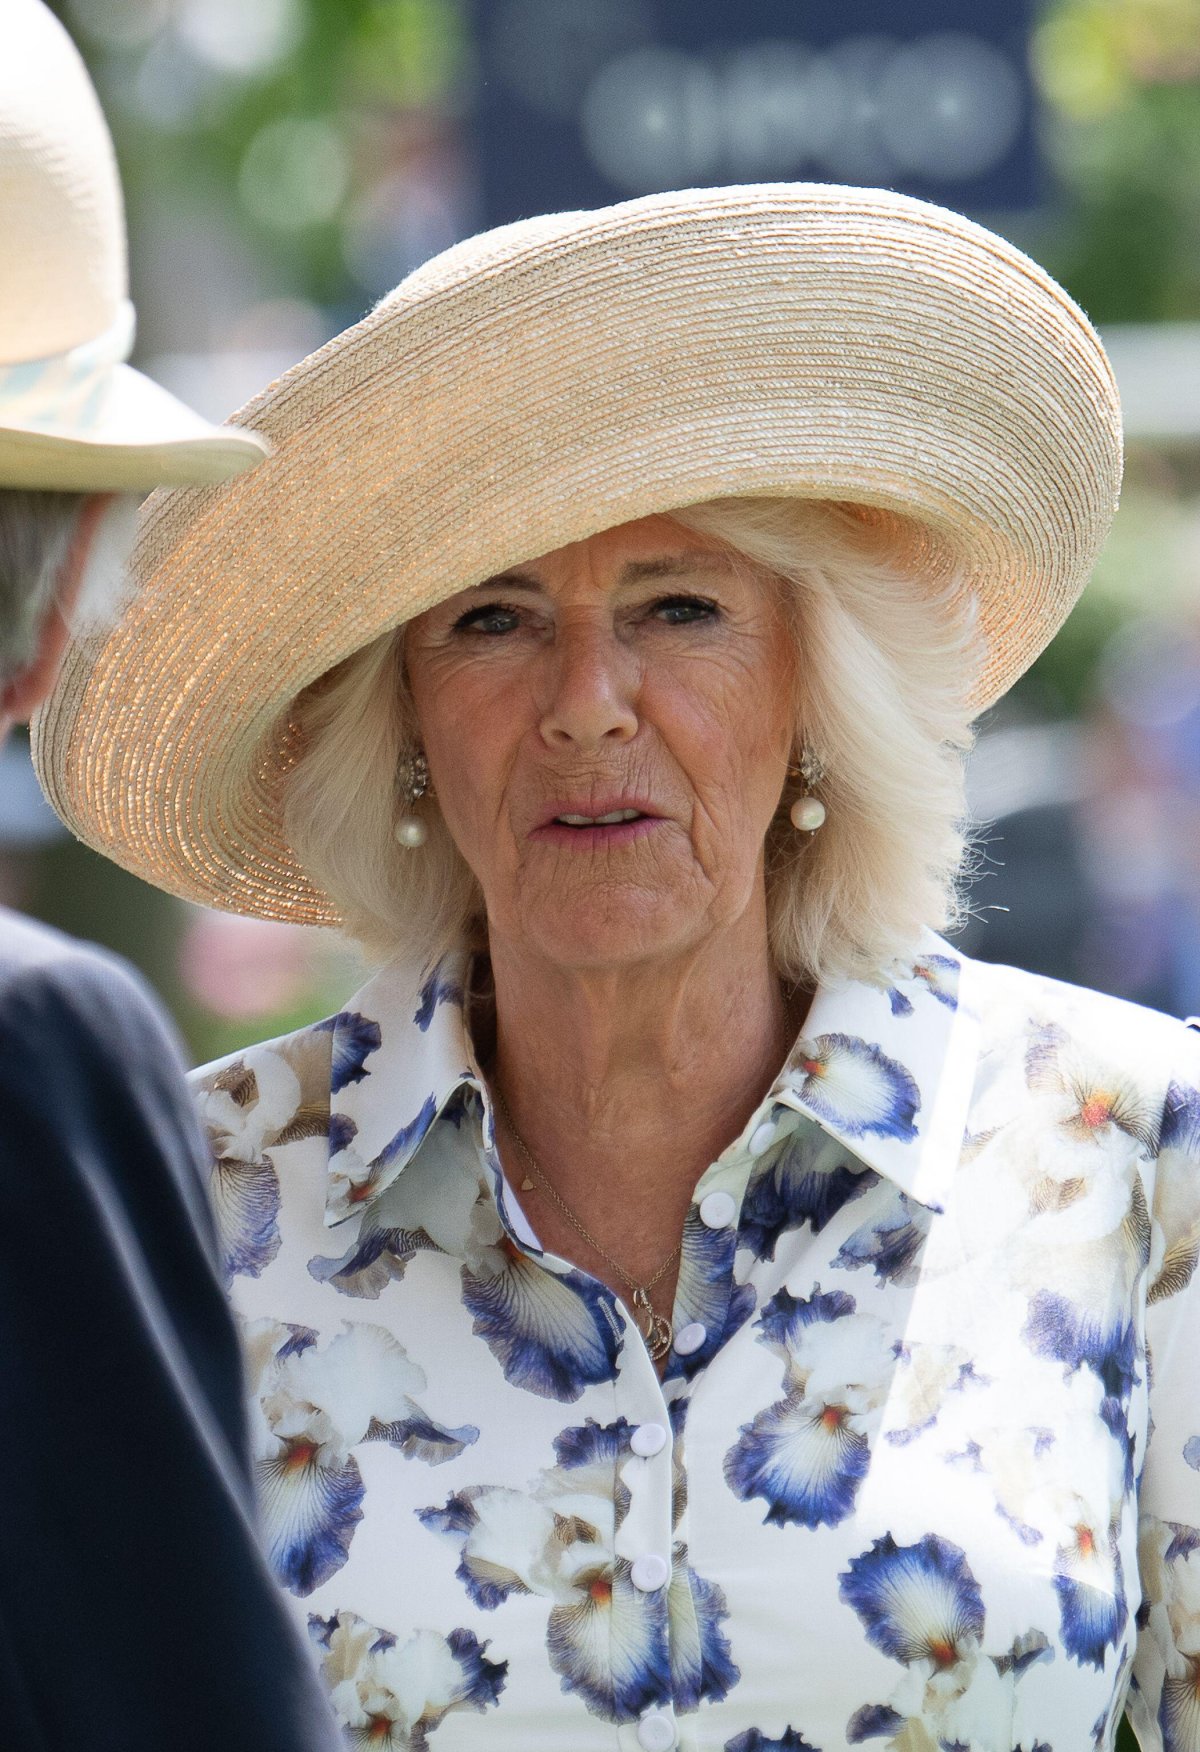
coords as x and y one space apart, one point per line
654 1328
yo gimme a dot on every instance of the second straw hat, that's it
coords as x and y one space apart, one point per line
73 415
550 379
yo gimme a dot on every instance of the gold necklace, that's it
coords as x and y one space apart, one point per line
654 1327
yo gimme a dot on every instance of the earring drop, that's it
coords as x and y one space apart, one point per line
807 813
410 830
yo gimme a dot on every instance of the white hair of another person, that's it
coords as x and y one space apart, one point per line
36 531
885 671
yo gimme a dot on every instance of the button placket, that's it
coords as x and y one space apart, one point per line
645 1504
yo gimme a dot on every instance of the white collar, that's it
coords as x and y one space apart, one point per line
887 1070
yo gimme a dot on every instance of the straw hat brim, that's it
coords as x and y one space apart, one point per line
143 438
543 382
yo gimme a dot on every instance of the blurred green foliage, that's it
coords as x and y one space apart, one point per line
1121 85
193 93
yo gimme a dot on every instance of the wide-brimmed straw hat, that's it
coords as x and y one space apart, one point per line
550 379
73 415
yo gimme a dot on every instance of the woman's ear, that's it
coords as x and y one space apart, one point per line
24 691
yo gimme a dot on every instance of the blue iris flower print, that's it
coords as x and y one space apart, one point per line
856 1087
1055 1327
1112 1411
808 1181
874 1721
705 1292
805 1460
390 1696
250 1109
1181 1120
310 1507
316 1407
807 1454
606 1639
916 1602
353 1181
619 1648
409 1135
1097 1094
891 1243
785 1317
342 1132
245 1200
1179 1709
1090 1584
425 1210
1179 1706
441 987
921 1605
702 1665
754 1740
589 1443
355 1038
1183 1542
940 976
1176 1203
375 1259
926 1375
552 1333
619 1669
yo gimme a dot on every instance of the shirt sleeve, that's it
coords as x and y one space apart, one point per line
136 1609
1164 1698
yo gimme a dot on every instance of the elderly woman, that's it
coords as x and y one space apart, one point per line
686 1304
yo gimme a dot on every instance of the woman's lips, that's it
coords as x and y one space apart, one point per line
606 823
606 835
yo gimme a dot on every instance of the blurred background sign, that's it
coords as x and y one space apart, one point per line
582 102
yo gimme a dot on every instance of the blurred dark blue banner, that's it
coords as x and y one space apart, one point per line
582 102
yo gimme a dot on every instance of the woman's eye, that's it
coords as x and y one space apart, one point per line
490 618
679 611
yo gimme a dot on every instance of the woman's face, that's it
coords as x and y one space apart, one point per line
608 729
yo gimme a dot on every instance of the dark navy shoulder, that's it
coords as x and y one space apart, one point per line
53 985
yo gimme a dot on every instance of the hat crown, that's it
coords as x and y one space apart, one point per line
63 272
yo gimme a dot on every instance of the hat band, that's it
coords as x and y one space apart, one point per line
66 389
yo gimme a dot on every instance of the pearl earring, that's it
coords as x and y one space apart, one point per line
807 813
410 830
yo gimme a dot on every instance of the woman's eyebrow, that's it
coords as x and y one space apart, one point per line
674 565
507 580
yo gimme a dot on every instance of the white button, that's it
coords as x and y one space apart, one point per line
649 1572
761 1138
648 1439
690 1337
656 1733
717 1211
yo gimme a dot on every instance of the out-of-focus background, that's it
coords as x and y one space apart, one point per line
287 161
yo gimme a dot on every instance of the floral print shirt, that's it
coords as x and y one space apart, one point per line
924 1469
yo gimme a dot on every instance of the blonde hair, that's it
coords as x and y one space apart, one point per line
885 668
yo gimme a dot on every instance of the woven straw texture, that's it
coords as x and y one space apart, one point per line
550 379
73 415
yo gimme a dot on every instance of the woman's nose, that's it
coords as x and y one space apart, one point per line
590 690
